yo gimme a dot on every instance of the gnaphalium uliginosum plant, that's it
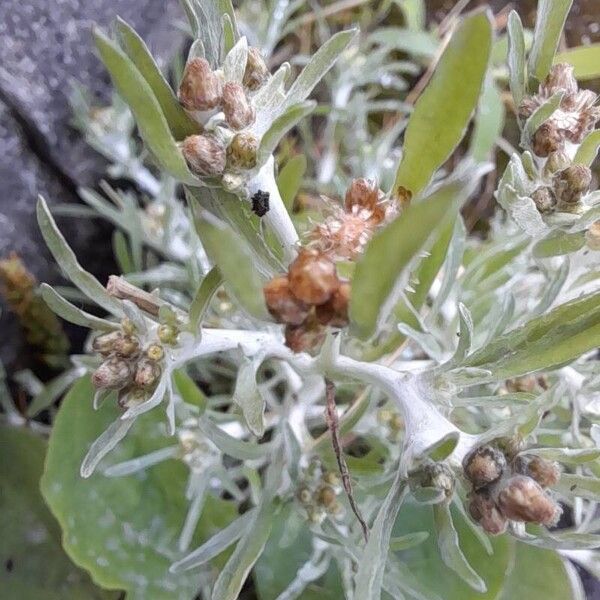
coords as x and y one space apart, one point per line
483 405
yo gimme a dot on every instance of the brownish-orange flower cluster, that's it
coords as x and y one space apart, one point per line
311 295
508 487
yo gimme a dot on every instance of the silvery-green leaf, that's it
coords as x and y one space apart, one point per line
290 178
555 285
404 542
197 498
489 121
424 339
53 389
216 544
551 16
190 13
443 448
68 311
104 444
67 261
141 462
280 126
558 243
465 335
479 534
570 456
235 262
249 398
449 547
293 451
385 265
578 486
516 57
428 495
248 550
122 253
209 285
146 109
560 540
234 64
504 317
433 131
179 122
587 151
230 445
155 399
318 66
228 34
371 567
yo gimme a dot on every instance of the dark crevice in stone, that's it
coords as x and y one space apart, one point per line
36 141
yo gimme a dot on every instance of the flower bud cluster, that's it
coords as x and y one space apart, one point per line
203 92
346 231
307 298
507 487
564 183
318 494
128 367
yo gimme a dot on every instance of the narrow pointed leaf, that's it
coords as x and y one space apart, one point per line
433 131
516 57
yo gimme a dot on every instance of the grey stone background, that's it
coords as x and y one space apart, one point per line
44 44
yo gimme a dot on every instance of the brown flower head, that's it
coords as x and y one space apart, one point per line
256 72
545 472
282 304
484 465
204 154
313 277
335 311
239 113
484 511
201 88
522 499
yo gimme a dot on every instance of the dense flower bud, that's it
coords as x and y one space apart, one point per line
155 352
544 199
560 79
362 193
242 151
326 496
105 343
127 346
484 511
306 337
557 161
168 334
282 304
256 72
484 465
547 139
201 88
335 311
304 495
112 374
572 183
435 475
592 236
239 113
522 499
204 154
545 472
147 373
313 277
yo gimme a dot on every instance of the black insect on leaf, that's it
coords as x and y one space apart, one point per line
260 203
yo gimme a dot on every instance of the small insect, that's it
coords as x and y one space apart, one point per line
260 203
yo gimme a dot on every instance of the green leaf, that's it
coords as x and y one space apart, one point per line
371 567
551 17
579 486
433 130
122 252
67 261
69 312
248 397
449 546
246 553
541 114
391 252
584 59
235 262
290 179
110 525
323 59
423 560
537 575
34 565
553 339
570 456
146 109
516 57
287 550
206 290
416 43
188 390
180 124
489 122
281 125
559 243
587 151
